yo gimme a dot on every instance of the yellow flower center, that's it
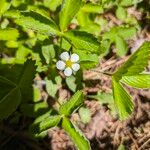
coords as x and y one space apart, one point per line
69 63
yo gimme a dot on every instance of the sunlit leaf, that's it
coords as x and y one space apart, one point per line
69 107
80 141
122 100
68 11
137 81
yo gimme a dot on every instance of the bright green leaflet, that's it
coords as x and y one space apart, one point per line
75 101
37 22
68 11
80 141
134 65
137 81
5 34
83 41
46 123
122 100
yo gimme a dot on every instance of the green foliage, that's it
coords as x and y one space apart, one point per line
122 100
134 65
118 35
68 11
83 41
69 107
138 81
41 31
76 136
37 22
39 126
21 89
5 34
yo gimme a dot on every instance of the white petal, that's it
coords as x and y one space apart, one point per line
75 67
60 65
74 57
64 56
68 72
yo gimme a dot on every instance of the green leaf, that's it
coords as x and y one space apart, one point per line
34 110
52 87
92 8
10 97
69 107
121 13
4 6
83 41
5 34
137 81
45 124
102 97
52 4
37 22
48 52
70 81
68 11
87 61
26 79
79 140
85 115
134 65
122 100
121 46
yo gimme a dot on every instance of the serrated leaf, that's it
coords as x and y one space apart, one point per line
121 147
10 97
48 122
134 65
5 34
121 46
37 22
122 100
68 11
87 61
79 140
26 79
69 107
137 81
83 40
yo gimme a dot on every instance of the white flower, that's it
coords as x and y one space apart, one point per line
68 63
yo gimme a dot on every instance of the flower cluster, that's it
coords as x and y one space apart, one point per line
68 63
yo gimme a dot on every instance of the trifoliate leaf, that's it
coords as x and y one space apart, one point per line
69 107
80 141
68 11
